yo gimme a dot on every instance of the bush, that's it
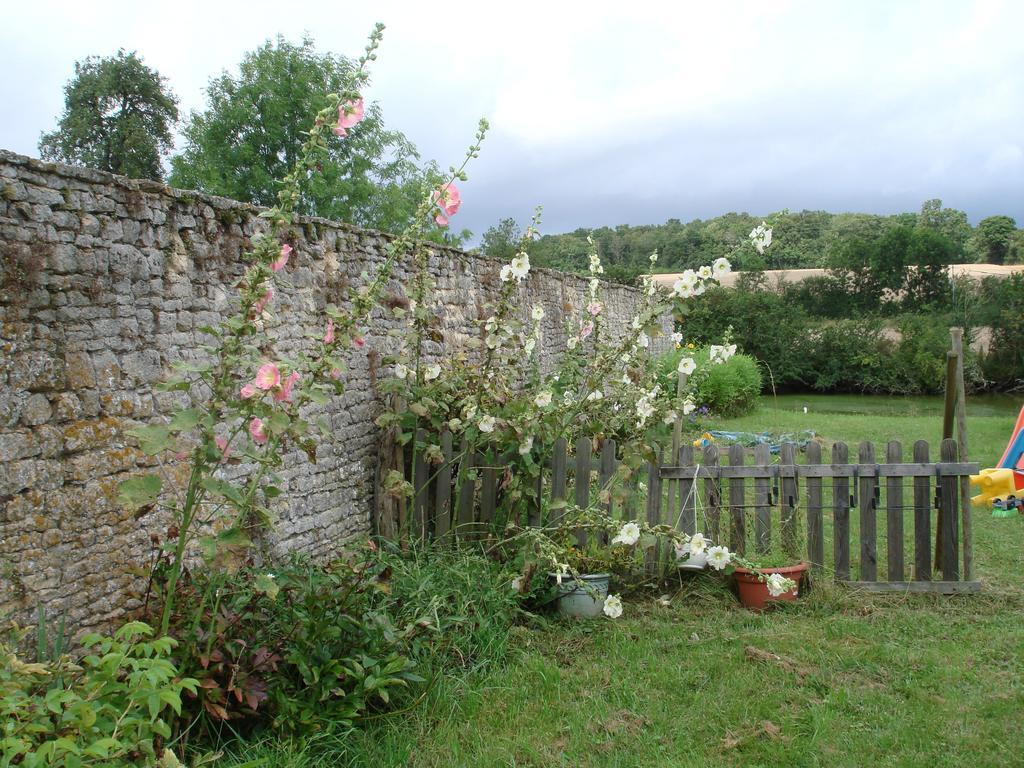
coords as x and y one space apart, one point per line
107 710
725 389
763 325
298 647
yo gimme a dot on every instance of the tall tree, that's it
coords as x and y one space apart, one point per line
251 132
995 238
118 117
501 240
948 222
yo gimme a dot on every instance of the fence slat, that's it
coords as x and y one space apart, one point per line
950 490
607 472
534 505
789 500
582 483
815 523
686 518
712 495
420 480
762 510
841 513
894 516
737 503
488 491
653 508
443 492
868 524
467 489
922 518
558 476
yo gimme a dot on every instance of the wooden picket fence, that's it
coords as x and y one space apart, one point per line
840 502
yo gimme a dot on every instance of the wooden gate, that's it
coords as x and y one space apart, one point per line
881 525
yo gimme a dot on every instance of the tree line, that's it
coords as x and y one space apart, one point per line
874 247
121 115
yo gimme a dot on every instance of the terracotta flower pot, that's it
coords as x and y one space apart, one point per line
754 592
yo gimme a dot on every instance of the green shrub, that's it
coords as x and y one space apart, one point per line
763 325
725 389
298 647
108 710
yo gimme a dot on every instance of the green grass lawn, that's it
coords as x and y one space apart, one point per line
840 678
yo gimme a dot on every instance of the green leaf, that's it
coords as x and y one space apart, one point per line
223 488
153 438
278 423
139 491
185 420
265 583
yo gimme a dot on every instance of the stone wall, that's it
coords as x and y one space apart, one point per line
104 281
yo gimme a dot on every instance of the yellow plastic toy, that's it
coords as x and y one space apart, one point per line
994 484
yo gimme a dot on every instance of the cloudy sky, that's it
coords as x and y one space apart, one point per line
610 113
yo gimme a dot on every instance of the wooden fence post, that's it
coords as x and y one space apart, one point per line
762 507
948 497
868 521
815 523
841 512
894 516
789 500
712 494
737 503
922 518
443 494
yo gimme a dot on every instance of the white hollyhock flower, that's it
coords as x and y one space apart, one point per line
506 273
688 407
761 237
572 341
719 557
526 446
643 340
721 267
677 338
529 346
669 418
562 570
431 372
537 313
704 272
401 370
455 425
687 365
543 400
486 424
777 584
629 534
644 409
698 544
612 606
597 394
699 288
520 266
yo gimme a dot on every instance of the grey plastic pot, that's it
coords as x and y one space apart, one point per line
576 600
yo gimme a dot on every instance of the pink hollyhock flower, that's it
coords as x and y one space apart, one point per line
329 336
280 261
350 114
284 394
358 342
262 302
259 435
448 199
335 373
595 308
268 376
587 329
247 391
222 443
